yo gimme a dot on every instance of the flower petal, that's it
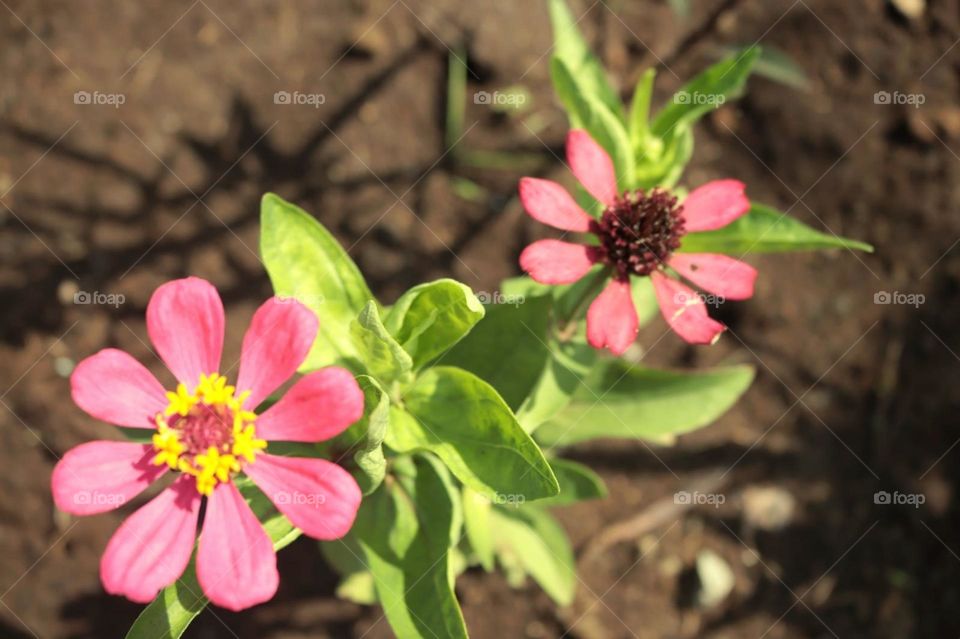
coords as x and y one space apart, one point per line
99 476
185 322
591 165
556 262
319 497
236 564
319 406
118 389
684 311
612 319
719 274
548 202
152 547
278 340
714 205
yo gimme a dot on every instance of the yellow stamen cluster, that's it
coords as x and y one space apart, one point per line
213 465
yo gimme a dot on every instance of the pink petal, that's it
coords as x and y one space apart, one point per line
684 311
319 497
236 564
591 165
714 205
548 202
719 274
152 547
185 322
556 262
278 340
99 476
118 389
320 406
612 318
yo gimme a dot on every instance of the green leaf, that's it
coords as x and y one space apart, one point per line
644 299
570 46
589 113
370 431
778 66
766 230
460 418
405 529
168 616
477 524
507 348
381 355
533 539
707 91
645 403
577 483
430 318
640 110
569 364
305 262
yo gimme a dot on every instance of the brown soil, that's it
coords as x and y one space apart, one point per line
851 397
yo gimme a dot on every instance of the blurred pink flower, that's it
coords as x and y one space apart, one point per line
207 433
638 234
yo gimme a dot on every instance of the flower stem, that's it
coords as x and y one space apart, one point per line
566 324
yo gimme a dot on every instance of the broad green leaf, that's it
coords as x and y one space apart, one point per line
707 91
570 46
370 431
631 402
168 616
477 524
533 539
766 230
577 483
381 355
460 418
430 318
593 115
507 348
359 587
569 364
640 110
405 528
306 263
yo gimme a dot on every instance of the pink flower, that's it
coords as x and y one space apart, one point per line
207 433
638 234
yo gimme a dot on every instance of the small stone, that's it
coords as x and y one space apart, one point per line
63 366
768 507
911 9
716 579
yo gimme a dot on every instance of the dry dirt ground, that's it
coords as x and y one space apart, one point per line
852 397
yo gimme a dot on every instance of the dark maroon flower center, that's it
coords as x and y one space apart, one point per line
639 231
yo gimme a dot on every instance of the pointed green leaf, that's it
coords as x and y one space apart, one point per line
577 483
707 91
430 318
381 355
405 529
306 263
645 403
766 230
533 539
460 418
370 432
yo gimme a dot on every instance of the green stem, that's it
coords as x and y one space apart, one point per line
566 324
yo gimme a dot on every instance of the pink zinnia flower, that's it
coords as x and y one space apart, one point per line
207 432
638 234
